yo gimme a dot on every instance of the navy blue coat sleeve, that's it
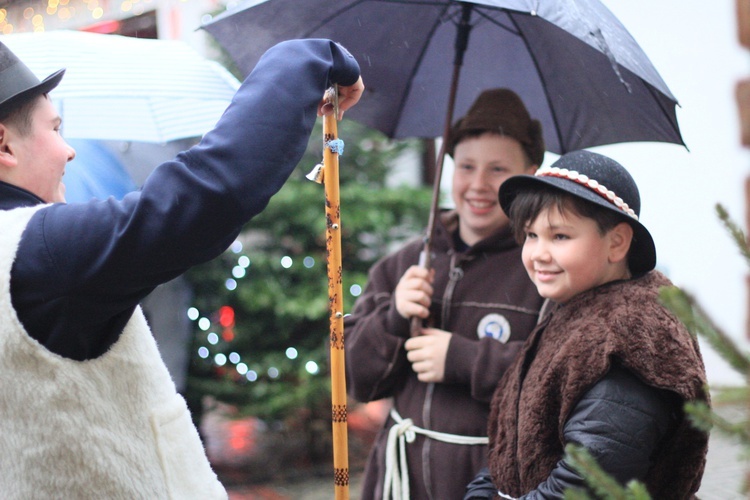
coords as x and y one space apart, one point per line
81 269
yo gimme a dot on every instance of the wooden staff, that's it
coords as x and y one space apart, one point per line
328 175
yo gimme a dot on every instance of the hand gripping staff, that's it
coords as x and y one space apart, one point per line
328 175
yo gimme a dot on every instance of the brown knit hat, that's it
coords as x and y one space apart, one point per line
503 112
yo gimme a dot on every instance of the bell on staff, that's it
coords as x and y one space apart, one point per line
316 174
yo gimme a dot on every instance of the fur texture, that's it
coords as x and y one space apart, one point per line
111 427
569 352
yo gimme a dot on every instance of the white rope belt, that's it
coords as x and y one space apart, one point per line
404 431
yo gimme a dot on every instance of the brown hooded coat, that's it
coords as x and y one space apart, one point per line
488 280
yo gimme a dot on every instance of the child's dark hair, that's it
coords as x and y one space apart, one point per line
529 203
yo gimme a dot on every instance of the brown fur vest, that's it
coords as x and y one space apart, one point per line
567 354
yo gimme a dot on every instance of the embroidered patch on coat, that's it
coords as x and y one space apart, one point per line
495 326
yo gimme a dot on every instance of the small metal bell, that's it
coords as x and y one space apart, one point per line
316 174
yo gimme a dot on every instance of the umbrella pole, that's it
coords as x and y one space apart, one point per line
462 41
328 174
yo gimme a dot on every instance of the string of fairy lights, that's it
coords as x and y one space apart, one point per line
55 14
214 342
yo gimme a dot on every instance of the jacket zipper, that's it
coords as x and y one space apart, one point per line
454 276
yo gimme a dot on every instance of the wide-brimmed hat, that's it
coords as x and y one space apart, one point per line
500 111
597 179
18 83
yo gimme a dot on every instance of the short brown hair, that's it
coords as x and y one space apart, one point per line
20 115
529 203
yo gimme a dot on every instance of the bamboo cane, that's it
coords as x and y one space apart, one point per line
329 176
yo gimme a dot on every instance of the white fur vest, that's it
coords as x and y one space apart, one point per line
111 427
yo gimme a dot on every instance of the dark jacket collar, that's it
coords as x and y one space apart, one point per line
13 197
446 226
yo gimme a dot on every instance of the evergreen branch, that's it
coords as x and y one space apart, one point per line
637 491
739 429
603 485
700 415
684 306
735 232
575 494
730 396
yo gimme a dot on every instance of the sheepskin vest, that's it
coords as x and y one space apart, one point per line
567 354
111 427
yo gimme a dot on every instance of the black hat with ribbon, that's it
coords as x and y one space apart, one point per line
18 83
597 179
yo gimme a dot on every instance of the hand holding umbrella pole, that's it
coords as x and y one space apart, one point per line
461 42
328 175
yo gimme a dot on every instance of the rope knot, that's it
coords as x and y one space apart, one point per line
404 428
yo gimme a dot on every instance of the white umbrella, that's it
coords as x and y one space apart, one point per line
124 88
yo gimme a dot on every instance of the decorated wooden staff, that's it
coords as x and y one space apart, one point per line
328 175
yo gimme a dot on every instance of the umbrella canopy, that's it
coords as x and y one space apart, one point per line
575 66
124 88
95 173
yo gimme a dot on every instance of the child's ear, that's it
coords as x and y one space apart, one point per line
620 238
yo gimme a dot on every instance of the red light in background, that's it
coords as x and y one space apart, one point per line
105 27
226 316
227 335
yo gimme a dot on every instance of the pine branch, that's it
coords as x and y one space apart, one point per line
735 231
602 484
697 321
705 419
730 395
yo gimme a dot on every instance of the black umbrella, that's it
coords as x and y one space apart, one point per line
573 63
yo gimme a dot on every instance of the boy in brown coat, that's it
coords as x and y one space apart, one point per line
609 368
481 306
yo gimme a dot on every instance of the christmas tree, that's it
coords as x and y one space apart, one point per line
260 311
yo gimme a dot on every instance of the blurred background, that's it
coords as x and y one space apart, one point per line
246 336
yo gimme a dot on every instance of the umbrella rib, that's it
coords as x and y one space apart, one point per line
652 90
494 21
556 128
412 2
157 125
338 13
330 18
518 32
352 5
410 79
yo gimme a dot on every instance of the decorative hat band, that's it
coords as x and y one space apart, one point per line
591 184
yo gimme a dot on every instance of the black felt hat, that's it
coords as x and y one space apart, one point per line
597 179
18 83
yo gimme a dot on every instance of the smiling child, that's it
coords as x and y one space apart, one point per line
608 368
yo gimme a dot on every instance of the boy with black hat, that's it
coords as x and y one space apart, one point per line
88 409
609 368
480 304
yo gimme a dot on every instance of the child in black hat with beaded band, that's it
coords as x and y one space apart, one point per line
442 381
88 409
608 368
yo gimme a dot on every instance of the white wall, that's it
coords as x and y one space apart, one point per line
694 46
